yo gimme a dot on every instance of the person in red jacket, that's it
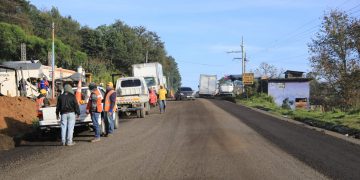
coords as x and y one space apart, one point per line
94 107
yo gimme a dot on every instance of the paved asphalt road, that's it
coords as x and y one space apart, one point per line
202 139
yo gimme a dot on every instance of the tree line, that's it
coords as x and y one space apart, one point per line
101 50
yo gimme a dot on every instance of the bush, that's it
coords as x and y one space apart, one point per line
286 104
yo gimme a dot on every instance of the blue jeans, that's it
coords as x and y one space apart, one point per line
67 127
109 122
162 105
95 117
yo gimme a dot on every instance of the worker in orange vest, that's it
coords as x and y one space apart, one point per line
94 108
41 100
78 94
109 109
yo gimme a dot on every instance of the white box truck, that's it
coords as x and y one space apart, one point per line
152 73
207 85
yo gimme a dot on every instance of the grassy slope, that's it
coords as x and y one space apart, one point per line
342 122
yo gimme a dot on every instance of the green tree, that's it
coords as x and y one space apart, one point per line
11 37
334 55
92 42
16 12
36 48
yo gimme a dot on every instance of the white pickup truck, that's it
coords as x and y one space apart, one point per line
48 119
132 96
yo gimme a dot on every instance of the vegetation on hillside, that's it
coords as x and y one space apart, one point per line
101 51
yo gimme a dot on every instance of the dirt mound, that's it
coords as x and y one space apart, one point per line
6 142
16 115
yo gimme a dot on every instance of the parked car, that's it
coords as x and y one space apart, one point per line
185 93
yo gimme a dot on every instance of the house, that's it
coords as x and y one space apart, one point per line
11 72
293 88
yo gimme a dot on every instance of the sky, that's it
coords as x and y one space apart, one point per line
198 34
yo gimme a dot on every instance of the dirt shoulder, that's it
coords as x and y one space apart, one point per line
16 118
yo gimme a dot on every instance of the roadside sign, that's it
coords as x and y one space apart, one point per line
248 78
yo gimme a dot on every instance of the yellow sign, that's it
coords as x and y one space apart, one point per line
248 78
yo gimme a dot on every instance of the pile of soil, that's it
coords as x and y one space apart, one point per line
6 142
16 117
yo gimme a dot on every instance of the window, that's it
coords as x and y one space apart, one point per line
131 83
227 83
185 89
150 81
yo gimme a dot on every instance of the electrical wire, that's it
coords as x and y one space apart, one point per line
295 34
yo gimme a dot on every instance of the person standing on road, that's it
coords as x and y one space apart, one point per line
109 108
22 87
67 107
162 99
95 108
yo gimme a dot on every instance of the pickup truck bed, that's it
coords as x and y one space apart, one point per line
49 117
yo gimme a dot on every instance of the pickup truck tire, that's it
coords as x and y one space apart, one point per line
143 110
142 113
138 113
116 123
147 105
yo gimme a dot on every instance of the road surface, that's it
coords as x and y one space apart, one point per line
202 139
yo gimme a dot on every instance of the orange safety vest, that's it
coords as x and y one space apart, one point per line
78 93
98 102
107 103
78 96
39 103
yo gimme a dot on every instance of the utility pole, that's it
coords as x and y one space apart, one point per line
146 56
53 62
23 51
243 59
242 56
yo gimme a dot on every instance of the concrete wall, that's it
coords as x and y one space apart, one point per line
282 90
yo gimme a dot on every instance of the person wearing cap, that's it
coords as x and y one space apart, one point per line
109 108
67 107
162 99
94 108
44 84
41 100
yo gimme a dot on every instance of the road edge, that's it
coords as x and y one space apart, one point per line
324 131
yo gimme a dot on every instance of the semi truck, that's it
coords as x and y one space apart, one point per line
207 85
152 73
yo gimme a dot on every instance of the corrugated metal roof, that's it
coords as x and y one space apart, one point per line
27 65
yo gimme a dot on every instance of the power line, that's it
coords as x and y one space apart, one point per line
293 34
351 9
